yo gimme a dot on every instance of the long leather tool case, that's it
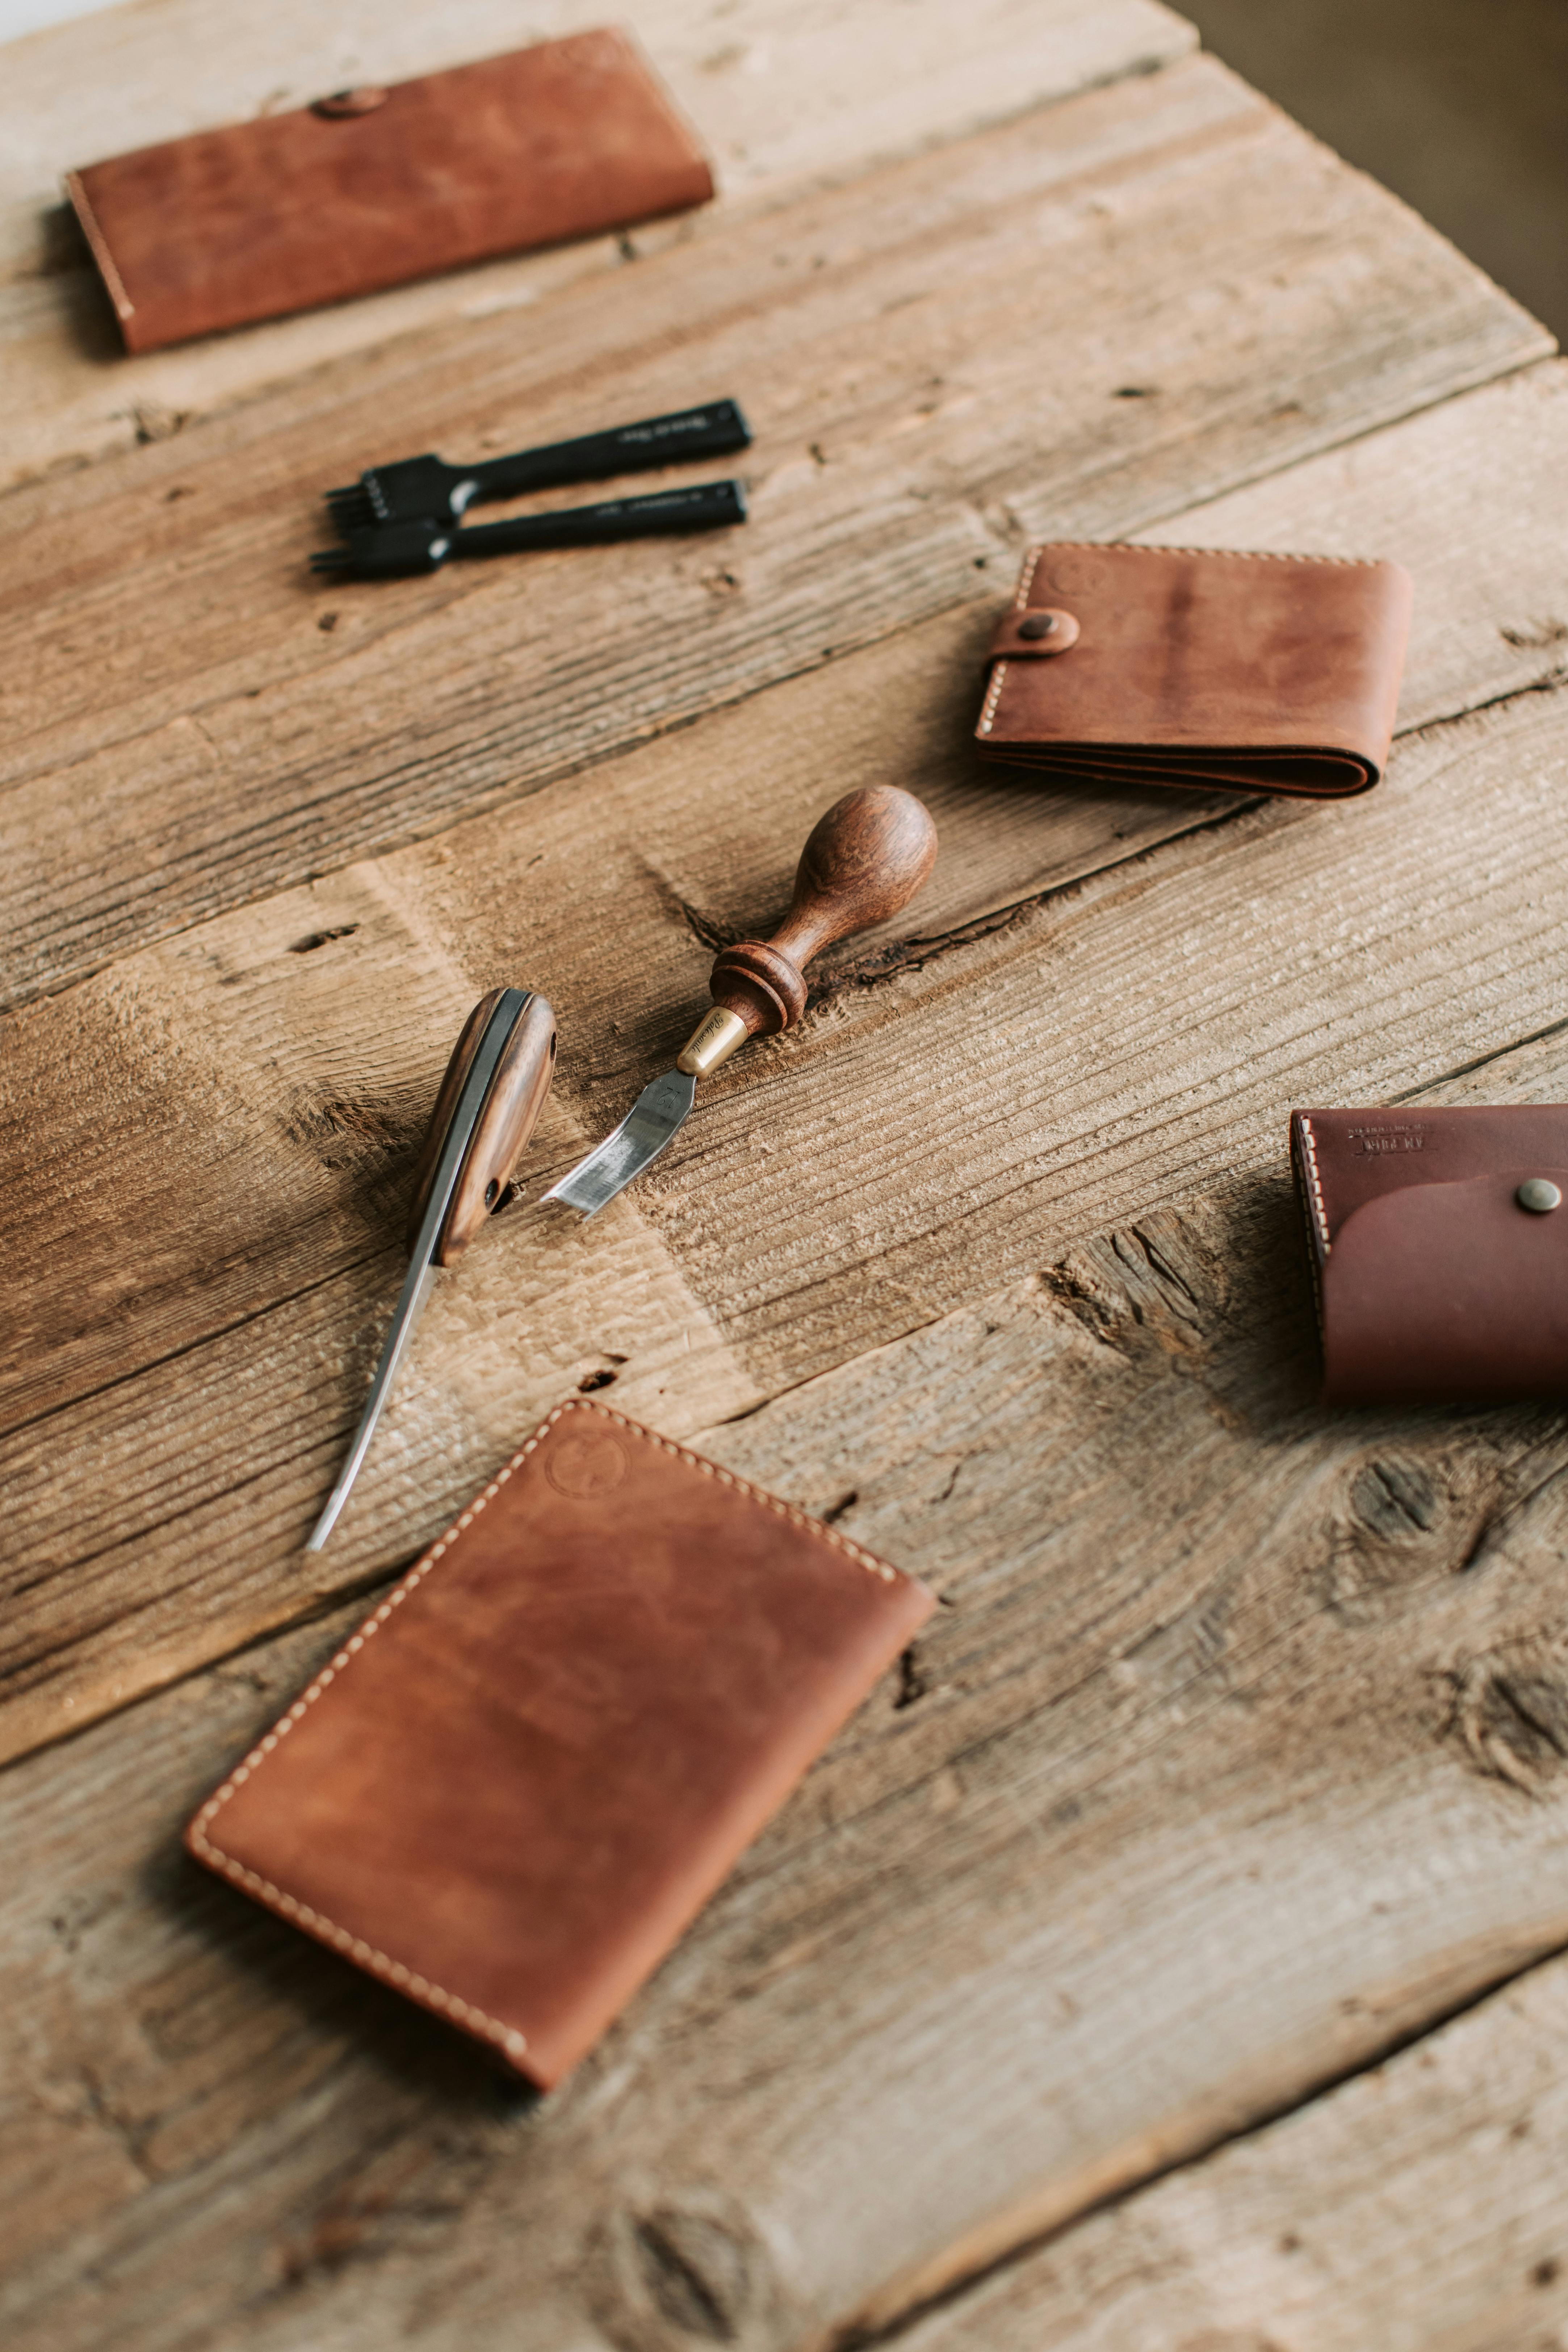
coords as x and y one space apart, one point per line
1439 1247
1190 666
512 1788
371 187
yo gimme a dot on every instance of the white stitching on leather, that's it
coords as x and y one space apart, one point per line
93 229
316 1923
1225 554
993 697
1315 1188
1025 580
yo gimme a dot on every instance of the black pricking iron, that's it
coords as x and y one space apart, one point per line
398 549
421 489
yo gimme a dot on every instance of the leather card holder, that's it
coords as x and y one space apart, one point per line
1437 1281
1195 667
373 187
510 1790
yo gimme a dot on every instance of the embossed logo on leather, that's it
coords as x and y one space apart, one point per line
1391 1135
586 1464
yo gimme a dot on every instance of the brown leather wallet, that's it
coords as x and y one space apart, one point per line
1439 1247
371 187
513 1788
1190 665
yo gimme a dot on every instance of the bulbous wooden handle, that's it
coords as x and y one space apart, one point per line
508 1119
863 862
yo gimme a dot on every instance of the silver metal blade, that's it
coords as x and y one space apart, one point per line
659 1112
422 1257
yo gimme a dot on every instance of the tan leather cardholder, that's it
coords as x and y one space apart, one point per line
512 1788
371 187
1190 665
1438 1239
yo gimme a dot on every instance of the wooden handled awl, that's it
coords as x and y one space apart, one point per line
489 1101
864 861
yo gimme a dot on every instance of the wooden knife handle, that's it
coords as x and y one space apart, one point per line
863 862
511 1112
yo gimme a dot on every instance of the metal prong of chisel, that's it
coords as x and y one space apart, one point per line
654 1120
862 862
423 1256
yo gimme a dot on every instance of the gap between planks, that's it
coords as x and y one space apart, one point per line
940 2304
1293 2223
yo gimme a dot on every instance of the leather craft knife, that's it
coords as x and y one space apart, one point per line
863 861
488 1104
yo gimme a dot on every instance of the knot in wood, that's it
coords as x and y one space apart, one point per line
684 2275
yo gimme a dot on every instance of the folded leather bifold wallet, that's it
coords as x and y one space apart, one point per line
1439 1247
1190 665
371 187
512 1788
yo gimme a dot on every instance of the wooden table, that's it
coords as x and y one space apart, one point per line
1165 1957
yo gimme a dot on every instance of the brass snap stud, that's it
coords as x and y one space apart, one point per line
1038 625
1539 1195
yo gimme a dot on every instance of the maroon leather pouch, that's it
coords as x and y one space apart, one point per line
1436 1282
512 1788
1190 665
373 187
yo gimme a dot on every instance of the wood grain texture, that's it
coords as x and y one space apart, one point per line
1417 2208
1044 1049
1173 1813
206 760
785 97
1235 1754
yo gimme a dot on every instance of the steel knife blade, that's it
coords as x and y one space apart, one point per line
495 1086
658 1114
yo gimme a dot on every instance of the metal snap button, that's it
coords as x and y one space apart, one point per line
1538 1195
347 102
1043 622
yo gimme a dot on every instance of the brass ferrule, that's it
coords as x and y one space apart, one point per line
713 1040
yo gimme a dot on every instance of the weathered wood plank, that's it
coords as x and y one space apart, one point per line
1416 2209
860 1236
1210 1782
1489 586
786 98
248 1105
1233 1758
1176 218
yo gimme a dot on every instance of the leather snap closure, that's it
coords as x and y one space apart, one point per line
1048 627
1538 1195
1039 629
344 103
